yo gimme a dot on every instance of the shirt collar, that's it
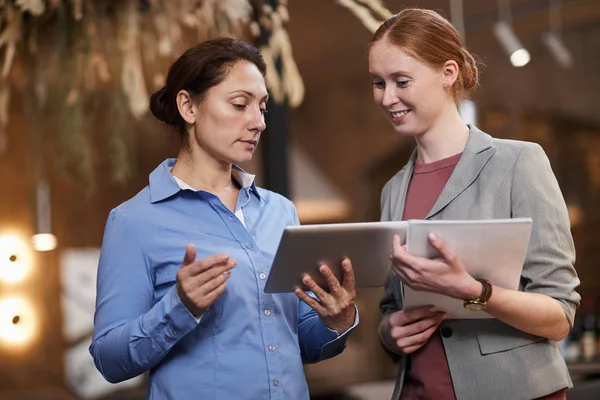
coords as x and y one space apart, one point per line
164 185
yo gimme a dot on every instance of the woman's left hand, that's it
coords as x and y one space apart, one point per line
446 275
336 308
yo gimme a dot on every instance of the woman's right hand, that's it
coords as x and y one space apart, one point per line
410 330
200 283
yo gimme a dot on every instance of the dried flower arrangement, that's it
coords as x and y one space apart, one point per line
71 59
80 63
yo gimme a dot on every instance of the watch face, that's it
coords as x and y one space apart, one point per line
475 306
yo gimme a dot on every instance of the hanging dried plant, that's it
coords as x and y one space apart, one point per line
132 74
377 7
285 83
74 128
371 13
4 104
79 52
9 37
234 17
34 7
120 140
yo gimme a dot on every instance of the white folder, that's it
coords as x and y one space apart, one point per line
489 249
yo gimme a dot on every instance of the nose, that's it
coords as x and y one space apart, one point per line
257 123
389 97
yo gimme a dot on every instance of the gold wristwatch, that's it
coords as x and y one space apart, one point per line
480 303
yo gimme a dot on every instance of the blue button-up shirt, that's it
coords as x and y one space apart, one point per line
248 345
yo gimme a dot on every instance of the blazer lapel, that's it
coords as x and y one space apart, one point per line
402 189
476 154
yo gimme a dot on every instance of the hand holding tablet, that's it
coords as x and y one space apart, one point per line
304 248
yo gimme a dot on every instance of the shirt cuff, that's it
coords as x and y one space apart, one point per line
356 320
169 320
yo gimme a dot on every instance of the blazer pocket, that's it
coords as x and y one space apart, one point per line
504 339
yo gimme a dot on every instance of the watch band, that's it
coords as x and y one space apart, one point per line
480 303
486 291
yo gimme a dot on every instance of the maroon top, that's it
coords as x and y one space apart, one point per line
428 377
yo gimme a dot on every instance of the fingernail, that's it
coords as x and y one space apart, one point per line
434 309
322 268
432 236
305 280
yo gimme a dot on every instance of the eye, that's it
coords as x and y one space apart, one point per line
402 84
239 107
379 84
263 111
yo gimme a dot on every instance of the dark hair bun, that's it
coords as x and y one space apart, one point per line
163 108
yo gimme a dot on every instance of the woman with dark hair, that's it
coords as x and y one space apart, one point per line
204 327
420 73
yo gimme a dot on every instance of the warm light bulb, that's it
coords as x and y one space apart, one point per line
44 241
15 262
520 58
17 321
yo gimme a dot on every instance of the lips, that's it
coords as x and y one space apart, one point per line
250 143
398 116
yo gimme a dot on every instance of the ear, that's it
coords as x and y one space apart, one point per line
185 105
450 73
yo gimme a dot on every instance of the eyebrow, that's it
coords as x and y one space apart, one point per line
394 75
250 94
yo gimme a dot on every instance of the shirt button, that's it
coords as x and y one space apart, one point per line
174 332
446 332
271 348
267 312
168 339
275 382
248 245
263 275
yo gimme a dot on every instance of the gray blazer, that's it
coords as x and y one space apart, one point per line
498 178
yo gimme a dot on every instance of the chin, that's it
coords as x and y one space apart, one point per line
241 158
412 128
405 131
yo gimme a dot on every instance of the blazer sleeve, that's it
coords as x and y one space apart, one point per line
549 264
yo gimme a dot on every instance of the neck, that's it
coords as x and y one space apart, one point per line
202 172
446 137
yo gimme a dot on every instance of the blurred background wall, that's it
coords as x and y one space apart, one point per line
85 145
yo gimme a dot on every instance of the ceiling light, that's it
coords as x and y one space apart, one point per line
519 56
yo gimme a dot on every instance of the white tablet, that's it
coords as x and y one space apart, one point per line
489 249
303 248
